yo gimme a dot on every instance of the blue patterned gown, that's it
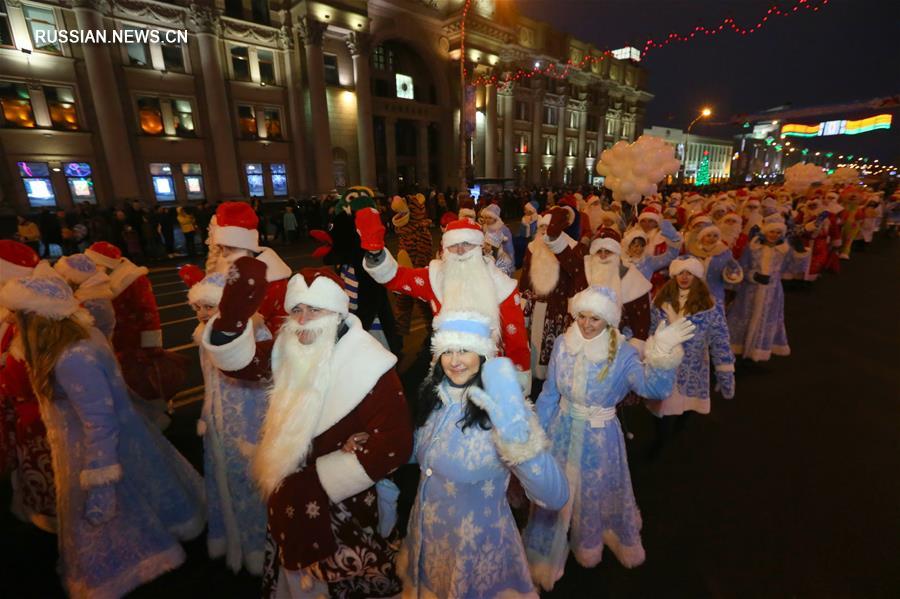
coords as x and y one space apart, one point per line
96 438
578 411
233 413
463 542
710 339
756 318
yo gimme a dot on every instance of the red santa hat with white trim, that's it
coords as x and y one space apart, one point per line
650 213
607 239
104 254
16 260
319 288
462 231
236 226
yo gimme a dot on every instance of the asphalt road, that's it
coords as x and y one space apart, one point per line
785 491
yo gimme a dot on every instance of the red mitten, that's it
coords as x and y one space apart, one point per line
370 229
325 238
244 291
191 274
558 220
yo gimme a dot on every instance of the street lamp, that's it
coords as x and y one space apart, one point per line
704 113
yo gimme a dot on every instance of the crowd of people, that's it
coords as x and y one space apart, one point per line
537 335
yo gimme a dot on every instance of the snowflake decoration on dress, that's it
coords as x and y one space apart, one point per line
419 281
289 511
312 509
467 531
511 329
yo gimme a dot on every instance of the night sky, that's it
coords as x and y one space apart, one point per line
848 50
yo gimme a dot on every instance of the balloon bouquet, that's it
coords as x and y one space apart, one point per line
799 177
846 175
632 171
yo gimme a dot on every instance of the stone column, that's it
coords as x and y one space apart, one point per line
296 112
490 131
508 141
205 23
312 32
537 145
422 174
102 81
390 148
360 48
561 152
580 162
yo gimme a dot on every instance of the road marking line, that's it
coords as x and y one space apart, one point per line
170 292
172 305
181 347
167 284
180 320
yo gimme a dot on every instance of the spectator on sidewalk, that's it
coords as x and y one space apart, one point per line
188 228
289 223
28 233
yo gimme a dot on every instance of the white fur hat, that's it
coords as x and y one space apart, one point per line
208 291
631 235
319 288
597 300
606 243
686 263
774 222
48 296
76 268
463 331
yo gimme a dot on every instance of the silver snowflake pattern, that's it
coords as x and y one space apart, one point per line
312 509
487 489
450 488
511 329
467 532
419 281
407 288
369 499
289 511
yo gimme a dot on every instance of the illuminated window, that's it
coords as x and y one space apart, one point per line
38 187
523 110
163 184
332 77
405 87
379 61
247 122
522 144
570 147
81 184
611 126
591 149
150 116
193 180
183 118
5 31
273 123
254 173
240 63
16 103
138 49
42 28
573 120
61 103
266 66
279 179
550 115
549 145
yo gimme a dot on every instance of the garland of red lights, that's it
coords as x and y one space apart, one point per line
727 24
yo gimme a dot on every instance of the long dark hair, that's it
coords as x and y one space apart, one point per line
428 400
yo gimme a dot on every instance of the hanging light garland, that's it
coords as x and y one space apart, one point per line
552 70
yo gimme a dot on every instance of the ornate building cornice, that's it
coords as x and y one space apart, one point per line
359 43
286 38
250 32
101 6
204 19
154 11
311 31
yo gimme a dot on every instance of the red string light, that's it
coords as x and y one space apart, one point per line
551 70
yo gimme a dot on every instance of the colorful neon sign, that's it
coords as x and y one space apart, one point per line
881 121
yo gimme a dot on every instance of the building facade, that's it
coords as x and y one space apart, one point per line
692 149
229 99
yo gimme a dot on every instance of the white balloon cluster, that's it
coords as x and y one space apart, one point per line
633 170
799 177
844 175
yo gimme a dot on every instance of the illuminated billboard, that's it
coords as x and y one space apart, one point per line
881 121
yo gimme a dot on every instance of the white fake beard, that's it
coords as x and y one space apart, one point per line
467 284
301 378
730 233
604 273
544 271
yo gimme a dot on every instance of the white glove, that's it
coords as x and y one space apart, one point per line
667 337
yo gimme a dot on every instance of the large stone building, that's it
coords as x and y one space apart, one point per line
256 98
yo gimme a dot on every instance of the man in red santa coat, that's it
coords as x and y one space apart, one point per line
731 226
336 423
551 271
233 234
24 449
461 280
649 221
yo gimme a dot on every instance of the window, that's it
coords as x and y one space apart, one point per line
163 184
254 172
279 179
260 10
138 50
628 129
379 60
16 103
173 57
332 77
234 8
405 89
550 116
549 145
81 184
573 119
38 187
61 103
183 118
247 122
5 32
150 116
42 28
523 110
273 123
611 126
193 180
591 149
266 67
522 144
591 122
240 63
570 147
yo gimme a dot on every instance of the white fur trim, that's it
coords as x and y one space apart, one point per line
524 378
189 529
205 292
733 277
504 286
342 475
215 547
124 275
236 237
96 477
201 427
606 243
71 275
9 271
96 287
633 285
629 556
686 263
560 243
151 338
654 358
324 293
102 260
449 341
385 271
465 235
235 354
467 213
276 269
254 562
513 453
15 295
589 300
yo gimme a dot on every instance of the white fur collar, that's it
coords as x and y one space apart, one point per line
276 269
503 284
126 273
634 285
596 349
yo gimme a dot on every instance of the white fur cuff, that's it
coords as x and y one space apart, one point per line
342 475
559 244
235 354
524 378
96 477
514 454
383 272
655 358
